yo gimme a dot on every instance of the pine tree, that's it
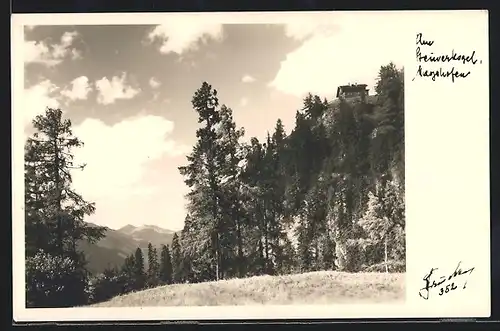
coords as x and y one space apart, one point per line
128 271
139 274
176 259
230 159
54 211
50 161
389 135
253 177
314 107
156 264
279 222
38 233
153 268
203 176
166 270
187 239
384 219
304 254
328 257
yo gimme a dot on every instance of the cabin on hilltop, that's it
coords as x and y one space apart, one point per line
352 91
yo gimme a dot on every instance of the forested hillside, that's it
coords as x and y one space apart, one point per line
327 194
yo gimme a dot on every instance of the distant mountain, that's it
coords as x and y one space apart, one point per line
148 233
118 244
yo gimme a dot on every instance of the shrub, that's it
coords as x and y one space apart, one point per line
54 281
110 284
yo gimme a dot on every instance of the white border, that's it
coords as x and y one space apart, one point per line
447 172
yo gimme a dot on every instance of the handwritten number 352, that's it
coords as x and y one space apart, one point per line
448 288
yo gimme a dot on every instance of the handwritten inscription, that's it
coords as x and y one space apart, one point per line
452 73
444 284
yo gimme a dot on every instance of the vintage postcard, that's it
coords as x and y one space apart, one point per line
250 165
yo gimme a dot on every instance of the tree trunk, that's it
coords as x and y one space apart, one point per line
217 258
266 248
316 252
385 256
265 241
57 182
261 257
239 241
340 253
240 249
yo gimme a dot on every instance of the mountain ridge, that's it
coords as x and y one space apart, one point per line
117 244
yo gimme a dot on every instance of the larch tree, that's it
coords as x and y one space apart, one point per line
55 212
202 175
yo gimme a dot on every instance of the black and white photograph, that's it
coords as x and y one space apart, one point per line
215 164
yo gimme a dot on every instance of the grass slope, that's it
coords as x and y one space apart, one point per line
323 287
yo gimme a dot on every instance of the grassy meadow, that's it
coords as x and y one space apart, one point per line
322 287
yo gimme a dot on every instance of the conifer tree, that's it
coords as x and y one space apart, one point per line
230 160
54 211
176 259
153 269
128 271
203 176
166 270
139 274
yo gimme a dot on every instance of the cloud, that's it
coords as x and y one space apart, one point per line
37 98
340 53
116 88
247 79
51 55
179 37
307 27
243 102
76 54
154 83
80 88
117 156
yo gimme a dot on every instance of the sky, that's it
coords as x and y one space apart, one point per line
128 88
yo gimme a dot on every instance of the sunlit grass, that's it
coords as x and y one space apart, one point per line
324 287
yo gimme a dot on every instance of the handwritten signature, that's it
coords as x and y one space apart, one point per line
445 284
